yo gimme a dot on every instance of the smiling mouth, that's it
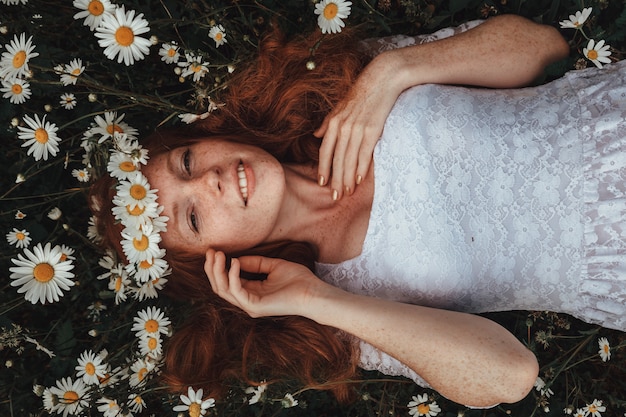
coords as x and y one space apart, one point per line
243 182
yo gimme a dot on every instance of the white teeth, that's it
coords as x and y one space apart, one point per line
243 182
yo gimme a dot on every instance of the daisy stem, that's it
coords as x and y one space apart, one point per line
18 302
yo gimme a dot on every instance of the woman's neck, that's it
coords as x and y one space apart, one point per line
308 214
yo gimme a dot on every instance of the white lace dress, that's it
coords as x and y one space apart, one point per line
492 200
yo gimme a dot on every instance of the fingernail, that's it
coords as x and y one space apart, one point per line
335 195
358 179
321 180
347 190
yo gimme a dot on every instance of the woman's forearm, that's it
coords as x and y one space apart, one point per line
505 51
466 358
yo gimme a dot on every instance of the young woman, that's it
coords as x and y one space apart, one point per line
476 200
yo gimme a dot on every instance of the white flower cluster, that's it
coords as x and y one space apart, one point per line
596 52
136 208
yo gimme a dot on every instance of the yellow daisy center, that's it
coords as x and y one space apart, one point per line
606 348
41 135
63 257
145 264
114 128
137 399
16 89
196 67
104 379
136 211
20 236
218 36
43 272
76 71
124 36
593 54
141 374
95 7
118 284
127 166
330 11
141 244
423 409
19 59
194 410
152 343
90 369
171 52
70 397
151 326
138 192
592 409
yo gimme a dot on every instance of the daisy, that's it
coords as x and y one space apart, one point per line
19 215
421 407
597 53
217 34
93 11
575 21
605 349
92 230
149 269
193 403
149 289
119 283
118 34
72 71
108 407
121 166
72 396
193 65
41 274
90 368
109 125
40 136
258 393
20 178
135 192
150 322
81 175
540 386
140 369
136 403
169 53
594 409
14 62
288 401
130 146
141 245
151 345
68 101
16 90
330 14
19 238
95 309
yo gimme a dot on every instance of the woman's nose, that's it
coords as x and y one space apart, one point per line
212 181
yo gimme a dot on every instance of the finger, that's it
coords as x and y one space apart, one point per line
337 185
327 150
208 266
220 274
319 133
366 154
351 160
234 280
258 264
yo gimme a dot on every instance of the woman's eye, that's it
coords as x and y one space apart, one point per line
193 220
186 162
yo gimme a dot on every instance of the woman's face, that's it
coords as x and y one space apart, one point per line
217 194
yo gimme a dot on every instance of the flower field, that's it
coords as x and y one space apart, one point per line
82 81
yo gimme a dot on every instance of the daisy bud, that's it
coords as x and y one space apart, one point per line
38 390
310 65
47 108
8 363
55 214
92 333
15 122
20 178
154 40
92 98
3 30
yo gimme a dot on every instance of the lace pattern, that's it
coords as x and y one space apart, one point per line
490 200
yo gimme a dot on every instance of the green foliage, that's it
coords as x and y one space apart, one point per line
150 94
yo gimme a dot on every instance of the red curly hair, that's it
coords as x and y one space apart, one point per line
275 103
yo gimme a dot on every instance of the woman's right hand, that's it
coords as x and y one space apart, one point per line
287 290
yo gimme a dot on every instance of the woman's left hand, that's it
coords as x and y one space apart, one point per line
286 291
352 129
